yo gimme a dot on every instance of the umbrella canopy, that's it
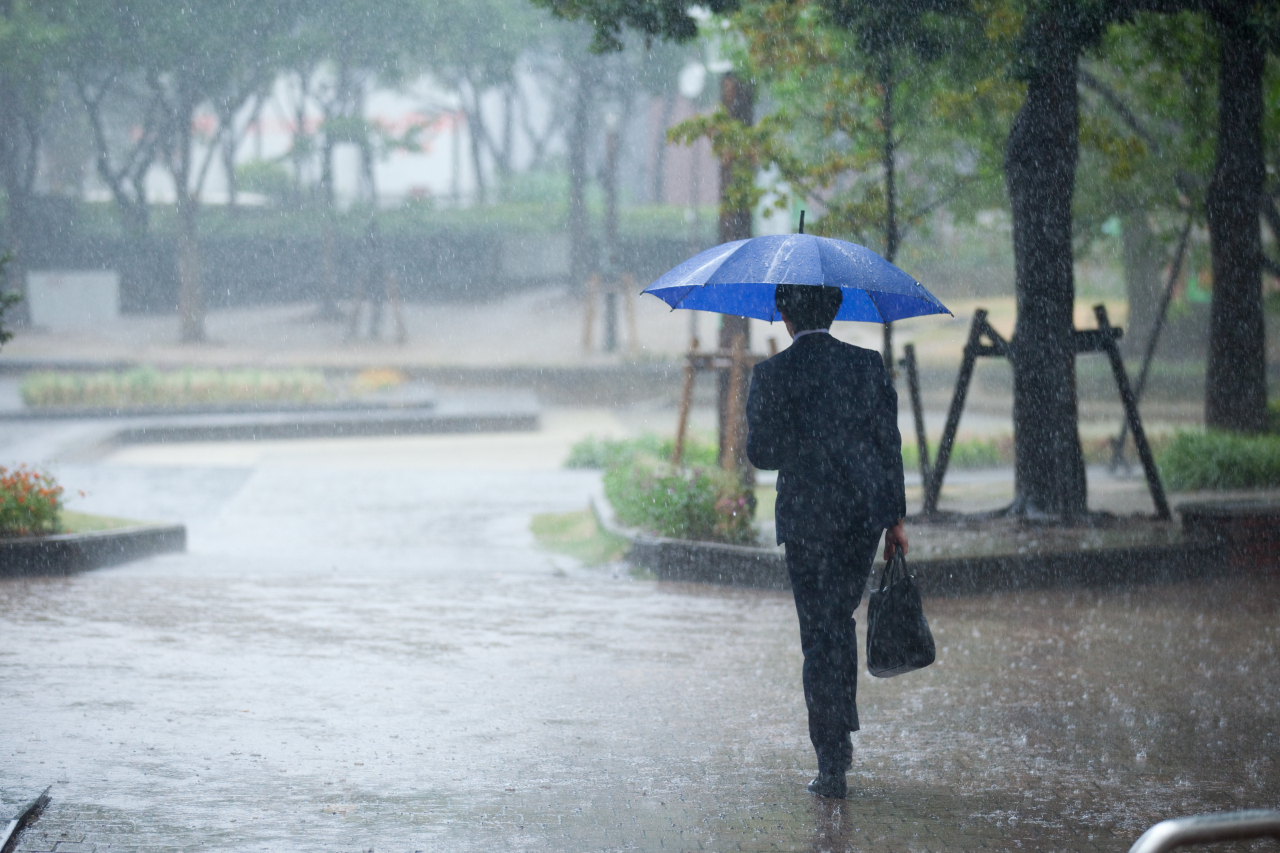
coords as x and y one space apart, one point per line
738 278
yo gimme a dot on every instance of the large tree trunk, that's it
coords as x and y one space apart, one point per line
660 158
19 152
581 260
190 285
1236 378
738 99
892 236
1040 165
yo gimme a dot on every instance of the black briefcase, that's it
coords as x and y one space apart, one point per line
898 635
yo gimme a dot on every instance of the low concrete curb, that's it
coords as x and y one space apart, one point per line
68 553
763 568
1248 531
330 425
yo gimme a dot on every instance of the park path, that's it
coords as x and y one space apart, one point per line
364 649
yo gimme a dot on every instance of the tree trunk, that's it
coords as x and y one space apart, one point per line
738 98
581 262
229 146
1040 164
1236 377
190 286
1143 258
475 128
19 153
892 236
660 160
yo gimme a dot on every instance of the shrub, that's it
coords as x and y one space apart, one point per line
607 453
30 502
682 503
1220 460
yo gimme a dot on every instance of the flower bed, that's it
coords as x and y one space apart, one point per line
30 503
150 387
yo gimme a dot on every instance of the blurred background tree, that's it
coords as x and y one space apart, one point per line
33 40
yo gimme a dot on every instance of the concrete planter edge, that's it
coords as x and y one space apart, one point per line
69 553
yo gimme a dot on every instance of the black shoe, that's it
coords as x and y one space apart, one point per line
830 785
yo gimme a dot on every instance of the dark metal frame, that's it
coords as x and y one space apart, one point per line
1102 339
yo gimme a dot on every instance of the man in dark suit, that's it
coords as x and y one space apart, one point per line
825 415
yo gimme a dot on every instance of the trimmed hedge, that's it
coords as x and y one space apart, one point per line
1220 460
147 386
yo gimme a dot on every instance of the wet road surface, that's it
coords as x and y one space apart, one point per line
367 651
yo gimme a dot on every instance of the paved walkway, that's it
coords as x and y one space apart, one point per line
364 649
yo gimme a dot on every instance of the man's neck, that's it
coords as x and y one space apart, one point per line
798 335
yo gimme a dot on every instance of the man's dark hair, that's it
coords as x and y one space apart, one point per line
808 306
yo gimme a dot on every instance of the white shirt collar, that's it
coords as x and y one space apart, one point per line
799 335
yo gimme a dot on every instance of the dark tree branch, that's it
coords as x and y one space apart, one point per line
1114 101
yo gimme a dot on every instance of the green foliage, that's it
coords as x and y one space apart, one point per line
607 453
683 503
1220 460
30 502
663 19
855 102
149 387
1147 116
267 177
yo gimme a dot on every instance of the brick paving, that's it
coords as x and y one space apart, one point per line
368 652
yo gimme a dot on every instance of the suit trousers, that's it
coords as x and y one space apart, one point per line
827 579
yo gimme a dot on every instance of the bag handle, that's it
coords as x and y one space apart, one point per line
891 568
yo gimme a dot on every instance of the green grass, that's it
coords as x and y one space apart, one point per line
83 522
579 535
766 500
1220 460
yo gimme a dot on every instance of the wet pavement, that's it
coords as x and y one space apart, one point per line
364 649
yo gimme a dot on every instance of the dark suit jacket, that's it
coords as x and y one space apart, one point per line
825 415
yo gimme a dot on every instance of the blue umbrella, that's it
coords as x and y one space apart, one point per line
738 278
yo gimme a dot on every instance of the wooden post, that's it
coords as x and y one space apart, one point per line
397 308
686 403
629 306
589 320
1131 413
729 454
353 322
934 488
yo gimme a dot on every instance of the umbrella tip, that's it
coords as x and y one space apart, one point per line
802 222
